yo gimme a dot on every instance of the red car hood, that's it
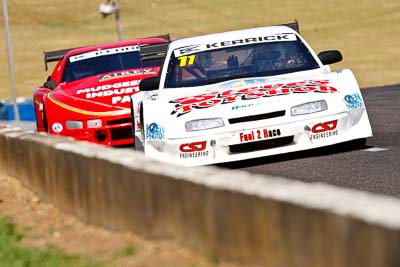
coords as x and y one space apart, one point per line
102 93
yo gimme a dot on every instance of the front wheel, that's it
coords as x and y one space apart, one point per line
133 124
138 145
45 124
358 143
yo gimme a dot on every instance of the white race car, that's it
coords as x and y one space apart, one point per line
245 94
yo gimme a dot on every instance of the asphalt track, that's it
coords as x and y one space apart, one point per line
375 168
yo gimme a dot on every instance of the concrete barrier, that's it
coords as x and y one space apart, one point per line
231 215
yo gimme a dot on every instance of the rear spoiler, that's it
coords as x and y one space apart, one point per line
153 51
56 55
164 36
293 25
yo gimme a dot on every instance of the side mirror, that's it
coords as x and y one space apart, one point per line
51 84
149 84
330 57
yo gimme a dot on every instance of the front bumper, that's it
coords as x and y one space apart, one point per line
114 132
263 140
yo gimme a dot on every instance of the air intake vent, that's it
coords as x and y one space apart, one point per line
261 145
258 117
121 121
121 133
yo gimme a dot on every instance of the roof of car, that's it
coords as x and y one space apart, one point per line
116 44
57 55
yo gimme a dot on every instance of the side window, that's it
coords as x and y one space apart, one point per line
184 72
172 77
66 76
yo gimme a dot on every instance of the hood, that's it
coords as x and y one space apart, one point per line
105 92
250 96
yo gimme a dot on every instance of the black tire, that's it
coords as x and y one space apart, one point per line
45 125
137 144
358 143
133 124
36 115
142 127
141 120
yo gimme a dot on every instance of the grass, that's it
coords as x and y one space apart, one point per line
129 250
368 35
12 254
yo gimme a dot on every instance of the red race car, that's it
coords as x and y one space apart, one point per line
88 94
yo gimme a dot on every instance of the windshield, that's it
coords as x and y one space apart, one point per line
101 61
240 61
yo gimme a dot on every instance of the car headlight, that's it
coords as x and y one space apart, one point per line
94 123
74 124
204 124
310 107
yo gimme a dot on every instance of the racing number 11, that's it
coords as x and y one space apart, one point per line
183 61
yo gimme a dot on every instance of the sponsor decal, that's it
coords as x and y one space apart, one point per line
105 52
192 147
257 104
120 92
324 127
185 105
193 150
260 134
122 99
324 130
280 37
188 50
242 106
57 127
353 101
126 74
154 132
239 83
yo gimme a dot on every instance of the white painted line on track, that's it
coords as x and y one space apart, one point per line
376 149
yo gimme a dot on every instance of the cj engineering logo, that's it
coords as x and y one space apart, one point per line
193 150
324 130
